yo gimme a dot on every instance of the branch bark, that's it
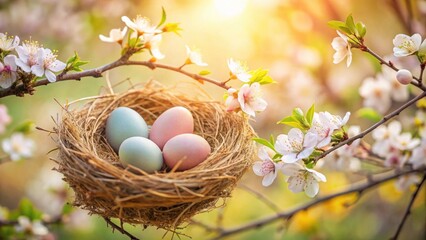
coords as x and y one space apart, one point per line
361 188
97 72
408 209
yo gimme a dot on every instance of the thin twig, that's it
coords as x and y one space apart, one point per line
374 126
261 197
288 214
120 229
417 83
422 69
408 210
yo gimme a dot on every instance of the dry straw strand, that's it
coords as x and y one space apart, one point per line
164 199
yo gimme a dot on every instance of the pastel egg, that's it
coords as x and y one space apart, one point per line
123 123
188 149
172 122
142 153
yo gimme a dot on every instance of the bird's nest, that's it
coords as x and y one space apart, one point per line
164 199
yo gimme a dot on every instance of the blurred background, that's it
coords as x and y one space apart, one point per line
289 37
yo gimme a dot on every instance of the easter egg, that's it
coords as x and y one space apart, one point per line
172 122
187 150
123 123
141 153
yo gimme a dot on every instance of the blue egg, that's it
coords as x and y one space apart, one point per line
124 123
141 153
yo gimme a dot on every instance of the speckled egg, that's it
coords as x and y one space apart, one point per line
124 123
172 122
187 150
142 153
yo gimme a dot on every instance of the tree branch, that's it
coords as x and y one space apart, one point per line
374 126
417 83
408 210
97 72
288 214
120 229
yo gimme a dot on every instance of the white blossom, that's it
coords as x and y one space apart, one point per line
27 55
8 74
324 124
405 181
250 99
238 70
152 42
35 228
384 137
302 179
395 159
405 45
343 158
232 102
141 25
376 93
47 64
8 43
418 157
17 146
194 56
404 141
266 168
343 49
295 145
115 35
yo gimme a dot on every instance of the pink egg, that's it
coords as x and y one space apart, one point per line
187 150
174 121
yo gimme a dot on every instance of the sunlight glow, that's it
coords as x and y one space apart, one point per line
230 8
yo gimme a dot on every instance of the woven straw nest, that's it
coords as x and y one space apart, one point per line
164 199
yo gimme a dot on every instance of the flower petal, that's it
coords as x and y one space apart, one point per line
311 187
269 178
50 76
257 168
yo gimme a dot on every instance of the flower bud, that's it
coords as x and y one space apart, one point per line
404 76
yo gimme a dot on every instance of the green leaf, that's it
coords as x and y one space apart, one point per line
267 80
310 114
163 17
264 142
362 30
26 208
72 59
261 76
345 30
272 139
336 24
291 121
298 115
67 209
80 63
204 72
350 24
370 114
133 41
25 127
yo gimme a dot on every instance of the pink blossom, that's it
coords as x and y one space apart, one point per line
250 99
